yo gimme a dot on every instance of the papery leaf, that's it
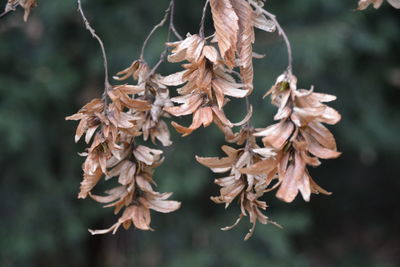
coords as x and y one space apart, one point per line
89 181
395 3
174 79
276 135
262 23
245 42
227 28
363 4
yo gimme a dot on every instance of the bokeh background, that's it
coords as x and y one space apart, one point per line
51 66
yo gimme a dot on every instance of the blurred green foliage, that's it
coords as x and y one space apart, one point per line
51 66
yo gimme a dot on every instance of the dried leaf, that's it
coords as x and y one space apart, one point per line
245 42
363 4
395 3
227 28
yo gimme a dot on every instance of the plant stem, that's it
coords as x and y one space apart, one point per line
107 85
168 12
171 28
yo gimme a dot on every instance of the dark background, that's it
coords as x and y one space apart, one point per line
51 66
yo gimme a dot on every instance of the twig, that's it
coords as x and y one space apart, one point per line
171 21
280 31
94 35
171 28
159 25
203 18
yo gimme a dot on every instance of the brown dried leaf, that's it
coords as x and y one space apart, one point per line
262 23
89 181
363 4
276 135
27 5
190 104
227 28
175 79
289 188
245 42
318 150
394 3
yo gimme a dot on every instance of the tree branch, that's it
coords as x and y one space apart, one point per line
171 29
168 12
94 35
171 22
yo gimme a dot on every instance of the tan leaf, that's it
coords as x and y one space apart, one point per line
221 116
147 155
318 150
290 182
185 131
316 189
112 195
127 173
261 167
395 3
189 49
27 5
321 134
174 79
276 135
363 4
215 162
227 28
191 104
262 23
245 42
305 187
211 54
89 181
164 206
141 218
228 88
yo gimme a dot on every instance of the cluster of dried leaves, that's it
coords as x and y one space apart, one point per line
111 126
297 140
204 84
363 4
215 69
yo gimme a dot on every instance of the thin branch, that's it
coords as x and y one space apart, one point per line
94 35
171 22
171 29
280 31
203 18
159 25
